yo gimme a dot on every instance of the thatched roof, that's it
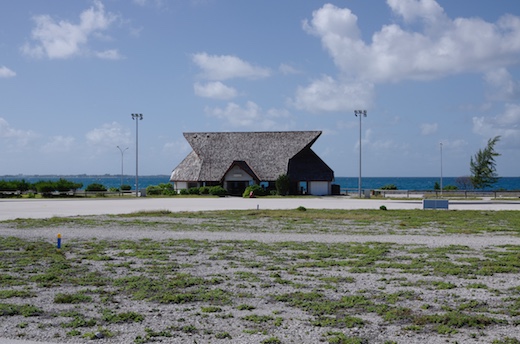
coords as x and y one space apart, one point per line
266 153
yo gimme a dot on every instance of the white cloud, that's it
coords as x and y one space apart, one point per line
251 116
412 10
109 136
502 85
215 90
18 137
225 67
6 72
59 144
111 54
63 39
328 94
458 144
507 125
157 3
444 47
288 69
429 128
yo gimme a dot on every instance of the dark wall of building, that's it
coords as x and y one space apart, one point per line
307 166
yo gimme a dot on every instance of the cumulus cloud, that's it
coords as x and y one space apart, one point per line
429 128
249 116
328 94
506 124
286 69
63 39
412 10
108 136
214 90
6 72
457 144
157 3
434 47
111 54
226 67
502 85
14 136
444 47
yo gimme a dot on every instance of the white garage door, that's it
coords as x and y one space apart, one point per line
319 188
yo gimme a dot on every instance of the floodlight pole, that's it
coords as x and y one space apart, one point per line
441 168
360 114
137 118
122 153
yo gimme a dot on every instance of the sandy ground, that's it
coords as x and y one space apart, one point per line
37 208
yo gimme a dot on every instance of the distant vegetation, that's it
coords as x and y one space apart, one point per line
50 188
389 187
44 187
445 187
96 187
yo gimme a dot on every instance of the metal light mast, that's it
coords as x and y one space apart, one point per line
360 114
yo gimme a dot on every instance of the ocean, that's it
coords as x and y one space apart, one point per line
349 183
418 183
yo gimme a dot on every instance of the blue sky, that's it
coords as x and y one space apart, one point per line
73 72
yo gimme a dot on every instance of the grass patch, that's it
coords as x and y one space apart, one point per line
418 288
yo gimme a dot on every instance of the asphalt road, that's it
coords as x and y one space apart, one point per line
45 208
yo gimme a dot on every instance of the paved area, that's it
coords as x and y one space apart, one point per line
45 208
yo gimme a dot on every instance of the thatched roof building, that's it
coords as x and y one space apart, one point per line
238 159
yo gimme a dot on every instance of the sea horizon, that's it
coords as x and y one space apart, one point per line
345 183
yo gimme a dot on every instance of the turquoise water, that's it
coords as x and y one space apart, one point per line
402 183
418 183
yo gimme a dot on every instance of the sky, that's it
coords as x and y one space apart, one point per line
438 79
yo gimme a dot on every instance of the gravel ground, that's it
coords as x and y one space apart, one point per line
255 271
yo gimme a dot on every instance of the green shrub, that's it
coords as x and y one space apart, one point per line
204 190
153 190
126 187
66 185
45 187
95 187
450 187
193 191
168 192
256 189
15 185
183 192
389 187
282 185
161 189
383 207
217 191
